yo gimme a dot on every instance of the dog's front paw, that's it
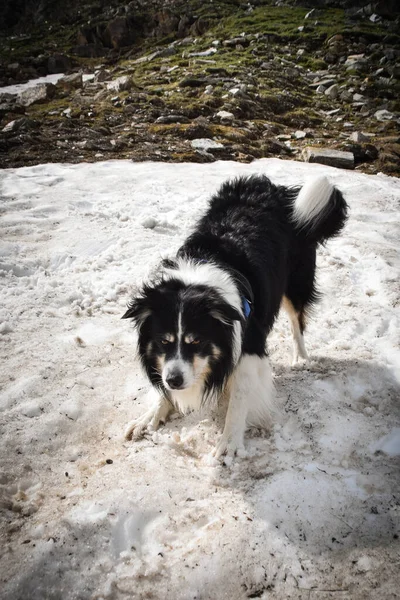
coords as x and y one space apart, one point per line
300 361
231 446
149 421
135 429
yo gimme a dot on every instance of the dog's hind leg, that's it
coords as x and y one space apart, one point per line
297 324
300 295
151 419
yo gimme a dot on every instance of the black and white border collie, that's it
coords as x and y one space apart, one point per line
204 318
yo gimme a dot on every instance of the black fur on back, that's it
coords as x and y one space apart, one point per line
249 228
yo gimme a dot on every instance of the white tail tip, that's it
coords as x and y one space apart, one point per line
312 199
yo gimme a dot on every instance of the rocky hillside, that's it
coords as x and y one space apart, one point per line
200 81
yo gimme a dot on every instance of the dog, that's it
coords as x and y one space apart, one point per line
204 317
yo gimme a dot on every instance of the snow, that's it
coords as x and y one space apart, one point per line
16 88
313 509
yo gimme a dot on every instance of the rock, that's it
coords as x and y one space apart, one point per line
346 96
356 62
358 98
276 147
70 82
363 152
332 91
208 52
58 63
224 115
205 144
6 107
300 135
335 39
239 91
327 156
165 52
6 97
237 41
11 126
38 93
121 84
144 59
326 82
166 119
22 124
191 81
358 137
321 89
101 75
384 115
198 129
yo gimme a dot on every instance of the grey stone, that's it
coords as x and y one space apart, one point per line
38 93
121 84
332 91
166 119
326 82
71 81
101 75
327 156
11 126
384 115
224 115
191 81
205 144
208 52
300 135
346 96
358 137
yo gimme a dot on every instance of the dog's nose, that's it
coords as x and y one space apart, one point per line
175 381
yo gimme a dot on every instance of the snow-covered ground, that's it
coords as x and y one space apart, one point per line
16 88
312 513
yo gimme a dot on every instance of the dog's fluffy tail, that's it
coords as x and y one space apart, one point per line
319 211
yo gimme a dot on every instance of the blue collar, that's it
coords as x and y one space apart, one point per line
246 307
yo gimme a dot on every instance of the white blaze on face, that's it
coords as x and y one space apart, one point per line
191 372
194 273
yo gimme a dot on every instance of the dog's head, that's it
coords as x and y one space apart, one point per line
187 334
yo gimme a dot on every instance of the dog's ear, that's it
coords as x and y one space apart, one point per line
139 309
224 312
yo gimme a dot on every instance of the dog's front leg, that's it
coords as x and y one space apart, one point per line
151 419
232 438
251 403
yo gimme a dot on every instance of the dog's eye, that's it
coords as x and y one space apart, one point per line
165 341
195 341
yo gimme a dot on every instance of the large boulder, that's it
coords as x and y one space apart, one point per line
38 93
